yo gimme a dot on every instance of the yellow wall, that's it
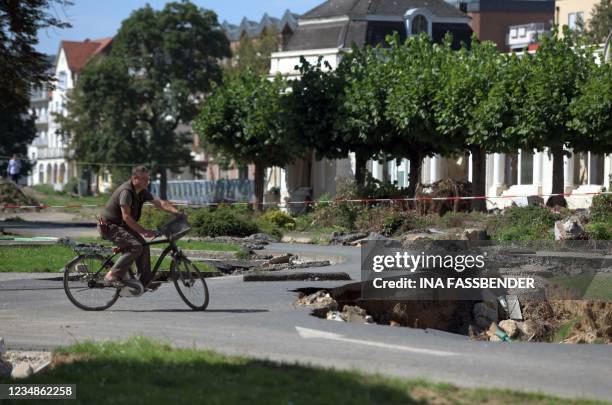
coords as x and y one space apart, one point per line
563 8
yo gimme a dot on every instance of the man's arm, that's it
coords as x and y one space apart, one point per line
126 214
164 206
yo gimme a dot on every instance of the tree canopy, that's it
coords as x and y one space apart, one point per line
166 62
22 67
243 119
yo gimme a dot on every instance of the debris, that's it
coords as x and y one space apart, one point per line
22 370
394 323
263 237
321 299
5 369
286 258
514 308
496 334
340 238
474 235
335 316
587 337
510 327
355 314
485 313
570 228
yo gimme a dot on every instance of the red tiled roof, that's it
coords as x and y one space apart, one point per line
78 53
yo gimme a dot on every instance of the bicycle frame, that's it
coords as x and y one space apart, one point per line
172 247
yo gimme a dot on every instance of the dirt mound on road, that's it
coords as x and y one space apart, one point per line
10 194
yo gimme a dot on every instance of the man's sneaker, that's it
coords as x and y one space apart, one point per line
154 286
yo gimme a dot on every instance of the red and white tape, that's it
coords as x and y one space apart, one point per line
314 202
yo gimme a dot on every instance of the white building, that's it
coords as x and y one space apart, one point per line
49 149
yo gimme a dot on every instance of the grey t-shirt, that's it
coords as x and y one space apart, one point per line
125 195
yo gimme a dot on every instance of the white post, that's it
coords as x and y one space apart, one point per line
568 172
499 166
537 170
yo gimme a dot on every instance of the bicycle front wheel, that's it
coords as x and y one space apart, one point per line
83 283
189 283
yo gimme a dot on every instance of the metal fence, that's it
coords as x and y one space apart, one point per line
208 192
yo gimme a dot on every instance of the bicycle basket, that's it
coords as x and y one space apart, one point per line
175 229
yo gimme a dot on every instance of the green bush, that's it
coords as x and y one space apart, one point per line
599 230
72 186
152 218
523 224
268 227
601 208
222 221
279 219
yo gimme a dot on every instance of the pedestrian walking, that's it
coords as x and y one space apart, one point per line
14 168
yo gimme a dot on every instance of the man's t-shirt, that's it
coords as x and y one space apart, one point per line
125 195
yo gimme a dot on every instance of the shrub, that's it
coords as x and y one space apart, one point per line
72 186
523 224
599 230
268 227
601 208
279 219
222 221
152 218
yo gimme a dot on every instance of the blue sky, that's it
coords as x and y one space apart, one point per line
99 19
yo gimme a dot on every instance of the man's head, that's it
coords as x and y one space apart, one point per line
140 178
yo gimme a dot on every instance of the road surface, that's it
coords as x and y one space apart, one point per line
260 320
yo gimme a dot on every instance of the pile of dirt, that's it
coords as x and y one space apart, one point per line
571 321
444 188
10 194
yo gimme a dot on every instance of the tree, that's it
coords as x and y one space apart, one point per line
469 75
243 119
362 122
412 76
592 113
310 112
551 80
167 61
22 68
600 25
107 131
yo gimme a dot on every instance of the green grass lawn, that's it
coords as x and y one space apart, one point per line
141 371
598 287
45 194
50 259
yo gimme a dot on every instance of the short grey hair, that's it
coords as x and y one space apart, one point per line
138 170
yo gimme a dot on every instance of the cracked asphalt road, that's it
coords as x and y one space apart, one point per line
259 320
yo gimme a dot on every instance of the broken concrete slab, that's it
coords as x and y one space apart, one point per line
22 370
320 300
293 276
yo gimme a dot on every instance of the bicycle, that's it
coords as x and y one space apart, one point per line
84 275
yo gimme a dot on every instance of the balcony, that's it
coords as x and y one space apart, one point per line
52 153
521 36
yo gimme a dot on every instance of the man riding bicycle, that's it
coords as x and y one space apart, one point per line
119 224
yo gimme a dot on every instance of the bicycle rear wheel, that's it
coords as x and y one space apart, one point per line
83 283
189 283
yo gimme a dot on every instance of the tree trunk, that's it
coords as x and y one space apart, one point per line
386 174
479 176
558 179
360 168
260 173
163 184
414 178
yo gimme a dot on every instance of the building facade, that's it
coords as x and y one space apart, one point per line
491 19
54 165
576 14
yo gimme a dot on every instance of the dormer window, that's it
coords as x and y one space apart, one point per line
418 20
419 24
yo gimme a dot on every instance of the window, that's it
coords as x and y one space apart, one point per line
419 24
575 21
62 80
526 158
513 32
522 32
